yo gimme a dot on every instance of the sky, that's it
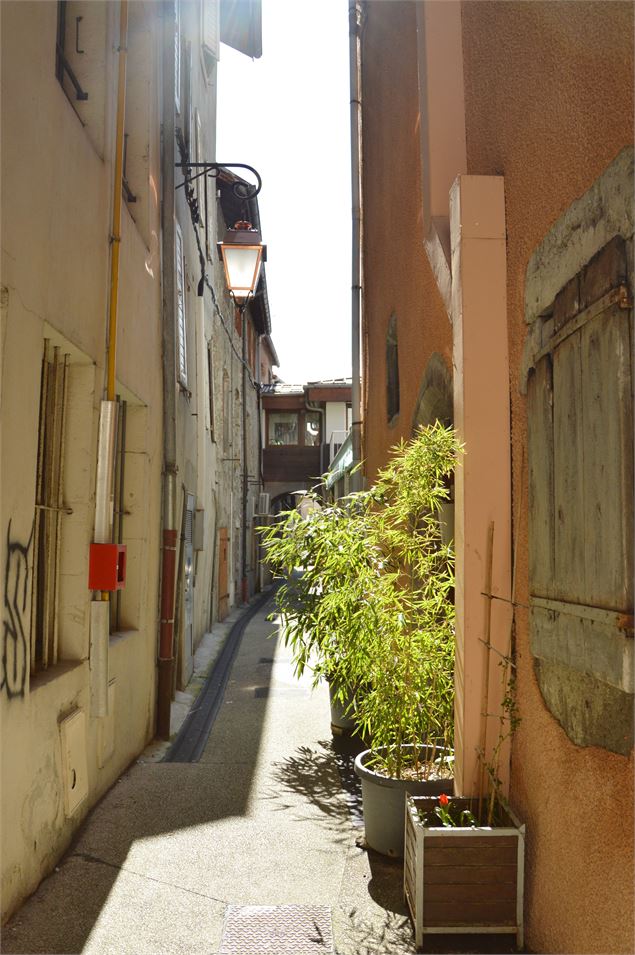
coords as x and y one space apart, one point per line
287 115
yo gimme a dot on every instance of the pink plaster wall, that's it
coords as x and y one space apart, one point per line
397 276
549 104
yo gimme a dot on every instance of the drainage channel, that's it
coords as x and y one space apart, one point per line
191 739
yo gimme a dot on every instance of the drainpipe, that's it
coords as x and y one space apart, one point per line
259 410
355 21
104 501
169 538
261 486
245 585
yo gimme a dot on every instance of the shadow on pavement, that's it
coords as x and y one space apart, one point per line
153 799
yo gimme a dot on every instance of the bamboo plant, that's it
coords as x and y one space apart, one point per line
370 605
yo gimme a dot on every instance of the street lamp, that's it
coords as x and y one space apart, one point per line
242 251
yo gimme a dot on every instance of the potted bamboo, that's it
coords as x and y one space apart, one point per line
329 570
408 713
369 607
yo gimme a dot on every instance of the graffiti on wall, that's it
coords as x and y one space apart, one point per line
15 646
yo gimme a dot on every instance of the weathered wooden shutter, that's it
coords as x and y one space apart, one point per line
580 431
241 26
210 31
181 343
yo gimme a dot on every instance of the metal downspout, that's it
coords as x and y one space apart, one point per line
261 486
104 489
169 540
245 583
355 21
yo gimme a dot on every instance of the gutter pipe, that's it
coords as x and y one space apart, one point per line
244 582
355 21
169 536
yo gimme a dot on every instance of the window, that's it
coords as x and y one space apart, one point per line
210 35
80 62
181 340
49 508
312 428
294 428
392 371
283 427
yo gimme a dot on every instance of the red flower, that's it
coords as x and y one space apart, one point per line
443 799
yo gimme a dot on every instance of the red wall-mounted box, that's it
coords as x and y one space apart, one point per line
107 567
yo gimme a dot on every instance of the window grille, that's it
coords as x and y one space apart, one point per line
49 508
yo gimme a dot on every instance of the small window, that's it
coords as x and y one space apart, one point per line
181 343
283 428
392 370
210 35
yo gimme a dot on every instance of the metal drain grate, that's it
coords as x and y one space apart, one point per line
277 930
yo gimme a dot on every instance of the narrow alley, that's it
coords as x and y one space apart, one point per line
260 820
317 477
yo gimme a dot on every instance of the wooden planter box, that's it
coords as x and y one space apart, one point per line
463 880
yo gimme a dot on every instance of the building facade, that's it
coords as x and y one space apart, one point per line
130 414
498 285
303 428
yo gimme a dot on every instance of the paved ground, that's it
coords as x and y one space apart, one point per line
219 857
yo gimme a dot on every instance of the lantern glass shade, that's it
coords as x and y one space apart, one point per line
242 268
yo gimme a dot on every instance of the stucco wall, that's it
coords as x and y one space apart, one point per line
548 95
56 199
397 277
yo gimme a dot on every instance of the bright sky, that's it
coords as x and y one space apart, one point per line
287 114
